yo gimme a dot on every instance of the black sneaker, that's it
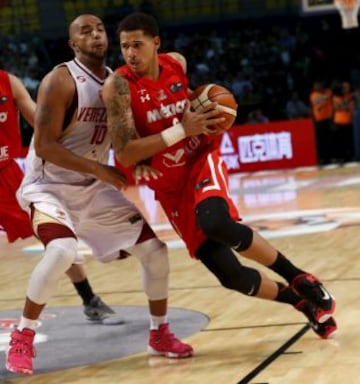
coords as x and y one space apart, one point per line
309 287
97 310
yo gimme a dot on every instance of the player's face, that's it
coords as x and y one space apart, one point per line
139 51
89 37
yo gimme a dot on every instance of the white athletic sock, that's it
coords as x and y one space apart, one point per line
156 321
26 323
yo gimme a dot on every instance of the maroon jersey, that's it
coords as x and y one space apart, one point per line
157 105
10 139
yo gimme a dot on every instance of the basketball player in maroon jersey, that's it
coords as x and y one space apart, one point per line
150 123
15 99
71 149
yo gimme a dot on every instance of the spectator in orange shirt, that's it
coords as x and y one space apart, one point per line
321 102
344 107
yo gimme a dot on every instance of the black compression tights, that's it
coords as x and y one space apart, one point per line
221 261
214 219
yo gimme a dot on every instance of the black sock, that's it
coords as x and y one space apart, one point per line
84 290
287 295
285 268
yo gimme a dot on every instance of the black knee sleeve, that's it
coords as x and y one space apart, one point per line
220 260
214 220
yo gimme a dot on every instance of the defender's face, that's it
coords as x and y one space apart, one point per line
90 37
139 50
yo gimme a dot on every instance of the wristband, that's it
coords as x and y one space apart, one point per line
173 134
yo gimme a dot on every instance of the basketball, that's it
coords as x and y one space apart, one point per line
227 105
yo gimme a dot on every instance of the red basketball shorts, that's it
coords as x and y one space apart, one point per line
208 178
13 219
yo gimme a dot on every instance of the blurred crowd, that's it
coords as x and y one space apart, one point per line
270 65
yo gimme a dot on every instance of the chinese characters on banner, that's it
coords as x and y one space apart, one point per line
277 145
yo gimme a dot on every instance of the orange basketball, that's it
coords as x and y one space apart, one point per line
227 104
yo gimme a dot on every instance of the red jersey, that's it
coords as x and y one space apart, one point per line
10 139
157 105
192 170
13 219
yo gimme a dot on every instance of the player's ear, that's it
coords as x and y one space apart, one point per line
71 44
157 42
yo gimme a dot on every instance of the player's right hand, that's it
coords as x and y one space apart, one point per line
145 172
200 121
111 175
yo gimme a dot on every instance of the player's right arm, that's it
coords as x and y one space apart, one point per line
55 95
131 149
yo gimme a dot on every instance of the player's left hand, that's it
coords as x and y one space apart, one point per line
145 172
111 175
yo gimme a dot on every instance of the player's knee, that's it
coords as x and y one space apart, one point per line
215 221
158 262
153 256
245 237
246 281
58 257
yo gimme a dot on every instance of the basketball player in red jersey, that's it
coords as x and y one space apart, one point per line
150 122
73 193
15 98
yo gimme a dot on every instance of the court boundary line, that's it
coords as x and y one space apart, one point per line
280 351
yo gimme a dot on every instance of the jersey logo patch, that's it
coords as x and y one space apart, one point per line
202 184
175 157
176 87
161 95
144 96
133 219
81 78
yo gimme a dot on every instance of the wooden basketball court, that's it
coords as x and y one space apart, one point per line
311 215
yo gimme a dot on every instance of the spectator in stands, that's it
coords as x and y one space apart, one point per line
321 104
296 108
257 117
344 107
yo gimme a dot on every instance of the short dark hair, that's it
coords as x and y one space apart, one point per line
139 21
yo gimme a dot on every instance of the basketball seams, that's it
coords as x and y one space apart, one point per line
229 110
200 101
206 94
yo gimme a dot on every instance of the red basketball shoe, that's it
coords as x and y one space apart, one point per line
327 329
21 352
309 287
164 343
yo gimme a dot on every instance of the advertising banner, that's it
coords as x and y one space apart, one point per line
275 145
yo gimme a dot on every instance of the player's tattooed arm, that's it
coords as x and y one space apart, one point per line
120 121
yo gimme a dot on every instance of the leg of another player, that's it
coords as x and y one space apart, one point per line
59 254
153 257
94 307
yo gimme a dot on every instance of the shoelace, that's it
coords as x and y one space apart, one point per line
22 348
